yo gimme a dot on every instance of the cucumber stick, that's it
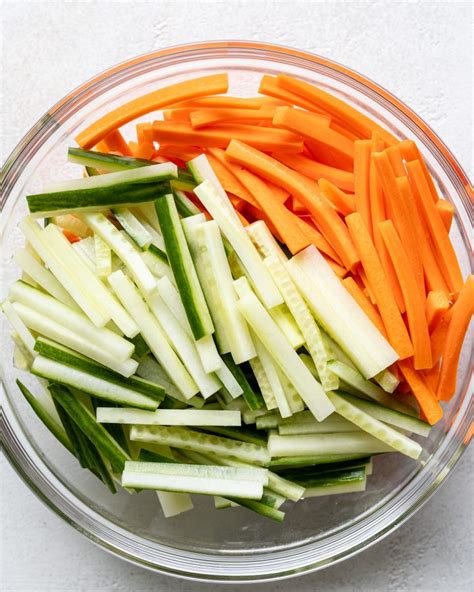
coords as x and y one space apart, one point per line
168 417
103 257
191 440
351 378
375 427
72 319
65 201
183 267
208 480
253 399
42 276
152 333
241 243
157 264
68 268
284 355
97 387
57 332
133 227
23 334
63 355
173 504
285 321
50 422
184 205
184 345
237 332
390 416
304 320
263 383
207 279
339 314
124 250
163 171
87 423
326 444
206 347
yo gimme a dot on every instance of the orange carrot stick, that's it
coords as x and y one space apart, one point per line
396 160
362 151
282 219
342 111
462 312
116 143
414 302
392 319
226 102
439 334
205 117
431 377
433 276
228 180
144 150
410 151
425 397
264 138
332 227
269 86
443 248
437 304
315 127
446 211
320 242
316 170
402 221
365 304
344 203
182 91
183 153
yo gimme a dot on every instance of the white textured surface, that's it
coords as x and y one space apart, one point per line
421 51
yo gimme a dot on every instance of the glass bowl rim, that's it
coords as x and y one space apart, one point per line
109 538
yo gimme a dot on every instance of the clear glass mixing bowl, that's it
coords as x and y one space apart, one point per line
232 545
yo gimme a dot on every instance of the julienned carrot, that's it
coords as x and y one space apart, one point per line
365 285
267 139
433 276
462 312
344 203
320 242
269 86
446 211
238 203
437 304
316 170
282 219
439 334
425 397
321 153
340 129
446 256
342 111
227 177
226 102
365 303
144 150
410 151
325 217
71 237
296 207
183 153
182 91
205 117
414 301
396 160
362 152
315 128
400 215
116 143
431 377
392 319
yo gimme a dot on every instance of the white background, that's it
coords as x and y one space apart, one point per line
421 51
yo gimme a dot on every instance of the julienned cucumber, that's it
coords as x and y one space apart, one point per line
54 351
97 387
94 199
183 267
85 420
176 417
191 440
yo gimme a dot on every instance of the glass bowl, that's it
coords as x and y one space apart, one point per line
234 545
